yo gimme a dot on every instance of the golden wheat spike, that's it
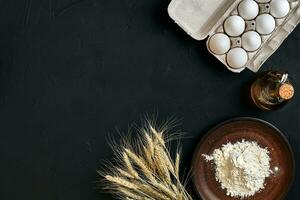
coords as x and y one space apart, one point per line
140 163
124 173
121 182
129 166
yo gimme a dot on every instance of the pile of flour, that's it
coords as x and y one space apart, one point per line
241 168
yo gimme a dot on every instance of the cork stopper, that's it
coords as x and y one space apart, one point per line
286 91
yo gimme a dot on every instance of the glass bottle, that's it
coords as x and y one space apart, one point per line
271 90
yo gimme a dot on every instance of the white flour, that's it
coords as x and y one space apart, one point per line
241 168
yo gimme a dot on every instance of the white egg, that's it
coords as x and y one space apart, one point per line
262 1
279 8
248 9
234 25
219 43
237 58
251 41
265 24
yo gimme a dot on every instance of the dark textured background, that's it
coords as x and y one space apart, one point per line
72 71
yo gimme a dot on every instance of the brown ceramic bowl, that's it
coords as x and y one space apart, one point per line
266 135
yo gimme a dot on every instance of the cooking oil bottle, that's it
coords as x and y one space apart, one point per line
271 90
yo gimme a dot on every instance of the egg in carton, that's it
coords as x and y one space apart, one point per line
241 33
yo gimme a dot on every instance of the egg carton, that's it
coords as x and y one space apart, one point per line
203 18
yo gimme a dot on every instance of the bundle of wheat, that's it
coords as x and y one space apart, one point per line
145 170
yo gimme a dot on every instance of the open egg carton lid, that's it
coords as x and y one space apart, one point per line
201 18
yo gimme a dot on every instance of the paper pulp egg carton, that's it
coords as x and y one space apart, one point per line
203 18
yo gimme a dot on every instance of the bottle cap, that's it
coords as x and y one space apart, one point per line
286 91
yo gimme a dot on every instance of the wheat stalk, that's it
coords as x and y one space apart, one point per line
122 182
146 170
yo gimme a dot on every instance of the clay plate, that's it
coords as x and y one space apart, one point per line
266 135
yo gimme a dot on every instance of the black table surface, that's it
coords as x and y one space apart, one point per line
73 72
